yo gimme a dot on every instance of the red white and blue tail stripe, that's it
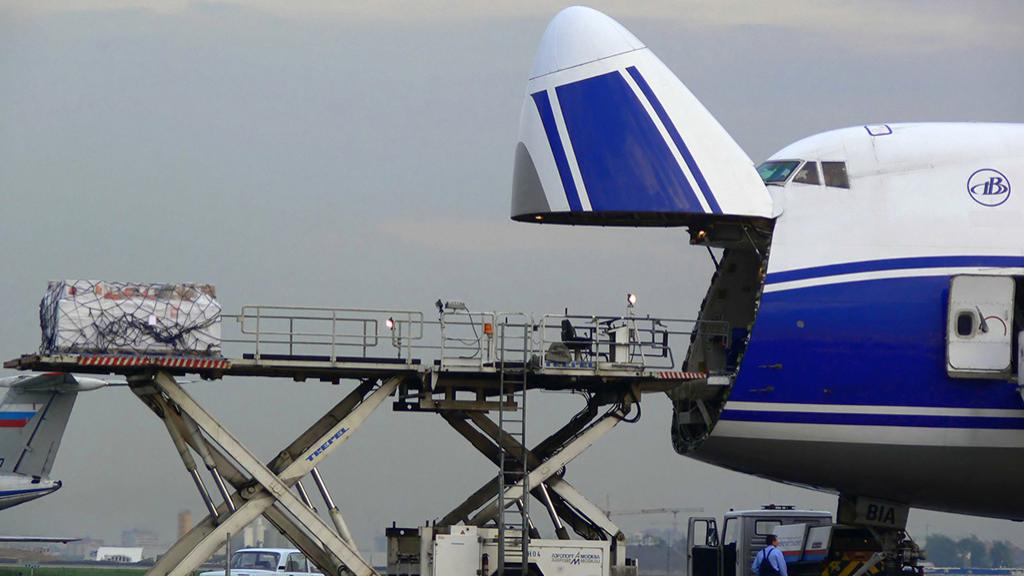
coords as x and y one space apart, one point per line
16 416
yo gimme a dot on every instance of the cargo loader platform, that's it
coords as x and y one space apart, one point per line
473 369
461 350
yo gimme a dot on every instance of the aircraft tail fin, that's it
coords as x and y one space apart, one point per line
33 416
608 135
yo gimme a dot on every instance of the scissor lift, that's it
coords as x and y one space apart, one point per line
463 366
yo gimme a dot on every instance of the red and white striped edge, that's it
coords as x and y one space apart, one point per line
678 375
162 361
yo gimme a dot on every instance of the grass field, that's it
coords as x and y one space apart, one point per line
60 571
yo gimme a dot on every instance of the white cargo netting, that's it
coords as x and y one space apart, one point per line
83 316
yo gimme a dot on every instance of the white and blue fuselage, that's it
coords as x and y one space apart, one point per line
854 366
844 381
16 489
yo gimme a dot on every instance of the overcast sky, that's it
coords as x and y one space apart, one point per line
360 154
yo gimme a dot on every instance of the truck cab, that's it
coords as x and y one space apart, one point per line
731 551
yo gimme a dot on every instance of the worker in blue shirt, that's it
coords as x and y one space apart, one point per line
770 561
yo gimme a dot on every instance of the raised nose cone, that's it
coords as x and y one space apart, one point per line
608 136
579 35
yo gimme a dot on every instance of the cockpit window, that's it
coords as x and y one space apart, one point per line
835 174
777 171
808 174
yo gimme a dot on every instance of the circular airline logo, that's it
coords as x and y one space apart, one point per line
988 187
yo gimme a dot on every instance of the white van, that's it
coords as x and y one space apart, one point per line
263 561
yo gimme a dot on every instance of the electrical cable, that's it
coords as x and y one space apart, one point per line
631 419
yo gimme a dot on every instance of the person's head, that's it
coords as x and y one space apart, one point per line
771 540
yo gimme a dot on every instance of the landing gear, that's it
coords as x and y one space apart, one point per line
899 553
882 527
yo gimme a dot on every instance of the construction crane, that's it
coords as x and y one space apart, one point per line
675 525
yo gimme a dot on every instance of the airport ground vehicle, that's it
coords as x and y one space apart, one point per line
809 540
260 561
472 550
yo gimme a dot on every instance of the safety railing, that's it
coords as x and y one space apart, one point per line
337 333
461 339
622 342
471 339
467 338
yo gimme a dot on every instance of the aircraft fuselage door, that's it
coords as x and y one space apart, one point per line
979 328
702 553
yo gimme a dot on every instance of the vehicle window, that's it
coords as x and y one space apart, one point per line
777 171
808 174
965 324
704 533
765 527
731 531
296 563
257 560
730 559
835 174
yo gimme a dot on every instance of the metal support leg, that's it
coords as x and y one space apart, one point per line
534 533
549 467
585 518
585 515
332 510
483 438
279 520
312 548
274 487
303 495
270 489
211 466
560 530
159 406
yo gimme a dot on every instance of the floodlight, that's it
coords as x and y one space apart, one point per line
631 299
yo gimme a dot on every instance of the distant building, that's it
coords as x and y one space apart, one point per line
119 554
254 535
257 535
84 549
184 522
274 539
148 540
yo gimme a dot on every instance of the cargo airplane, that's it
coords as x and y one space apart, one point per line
871 277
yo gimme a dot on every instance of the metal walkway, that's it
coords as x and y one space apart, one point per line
332 344
464 367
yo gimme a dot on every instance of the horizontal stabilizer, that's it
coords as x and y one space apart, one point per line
45 539
608 135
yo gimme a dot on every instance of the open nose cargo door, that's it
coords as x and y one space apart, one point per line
609 136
